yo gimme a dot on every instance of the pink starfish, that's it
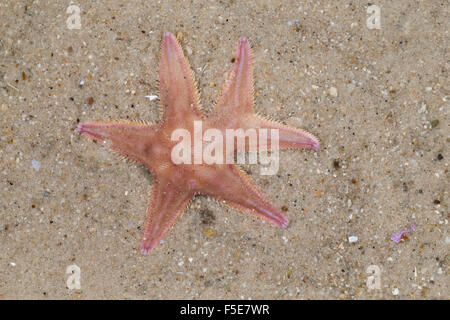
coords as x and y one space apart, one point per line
151 144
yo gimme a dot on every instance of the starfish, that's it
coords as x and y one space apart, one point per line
151 144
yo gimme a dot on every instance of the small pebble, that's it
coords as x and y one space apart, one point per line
423 108
151 97
333 92
210 232
352 239
395 291
36 164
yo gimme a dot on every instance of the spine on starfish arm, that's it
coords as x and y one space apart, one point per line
240 79
289 137
167 203
176 90
121 136
231 186
236 96
275 216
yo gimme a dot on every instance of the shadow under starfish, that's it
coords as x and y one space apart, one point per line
151 144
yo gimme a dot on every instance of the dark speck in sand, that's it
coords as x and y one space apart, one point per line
336 164
207 217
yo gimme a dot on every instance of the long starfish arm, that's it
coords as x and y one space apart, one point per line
167 203
234 107
129 139
229 184
178 92
237 91
289 137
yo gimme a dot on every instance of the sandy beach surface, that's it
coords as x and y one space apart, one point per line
375 95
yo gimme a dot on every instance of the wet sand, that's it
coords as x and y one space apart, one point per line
376 98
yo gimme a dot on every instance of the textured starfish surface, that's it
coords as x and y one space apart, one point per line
151 144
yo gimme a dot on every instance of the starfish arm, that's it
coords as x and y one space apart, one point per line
289 137
129 139
179 95
167 203
235 105
237 91
229 184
